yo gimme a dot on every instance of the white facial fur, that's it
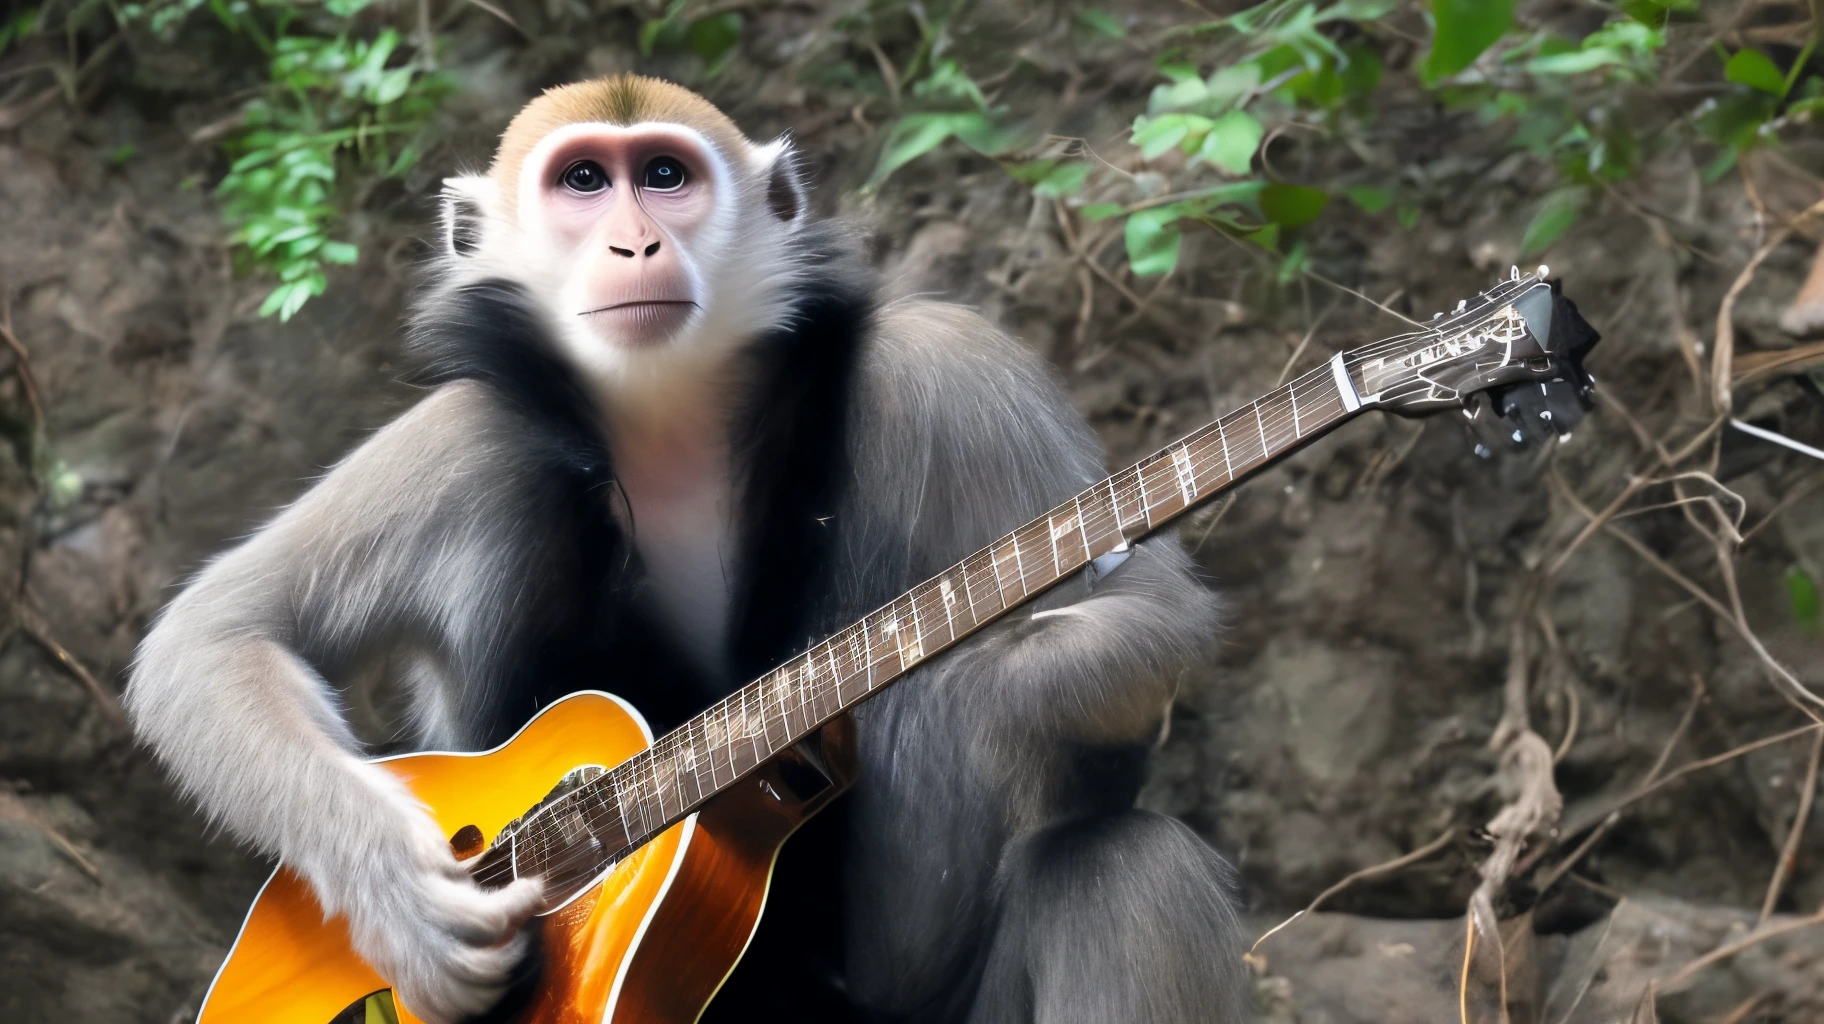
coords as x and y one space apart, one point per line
738 260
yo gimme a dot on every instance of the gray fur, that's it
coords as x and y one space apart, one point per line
977 858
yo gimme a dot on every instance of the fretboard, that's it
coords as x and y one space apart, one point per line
575 836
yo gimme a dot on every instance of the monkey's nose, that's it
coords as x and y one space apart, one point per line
651 250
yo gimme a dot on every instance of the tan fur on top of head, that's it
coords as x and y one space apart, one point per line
618 99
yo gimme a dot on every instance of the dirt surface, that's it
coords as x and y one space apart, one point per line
1376 583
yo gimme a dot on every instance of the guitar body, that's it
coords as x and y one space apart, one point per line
650 941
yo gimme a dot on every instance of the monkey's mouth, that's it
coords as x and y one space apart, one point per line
644 320
638 304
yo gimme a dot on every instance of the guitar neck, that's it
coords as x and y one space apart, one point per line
687 766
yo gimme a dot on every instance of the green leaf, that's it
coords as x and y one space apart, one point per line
276 299
1464 28
714 39
1657 12
1152 243
917 134
1101 211
1101 23
1802 598
390 86
1358 10
1228 84
1368 198
1155 135
1757 71
338 252
1556 215
1408 216
1294 264
1292 206
1267 237
1232 140
1050 179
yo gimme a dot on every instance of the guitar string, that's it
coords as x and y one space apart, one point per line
1274 408
644 774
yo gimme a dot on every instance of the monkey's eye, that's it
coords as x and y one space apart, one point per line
664 174
585 176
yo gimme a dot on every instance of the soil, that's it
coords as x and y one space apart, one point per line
1376 583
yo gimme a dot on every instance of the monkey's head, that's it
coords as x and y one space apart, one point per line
639 217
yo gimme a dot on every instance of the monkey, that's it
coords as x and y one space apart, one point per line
671 435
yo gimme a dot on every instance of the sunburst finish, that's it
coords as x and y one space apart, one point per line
651 941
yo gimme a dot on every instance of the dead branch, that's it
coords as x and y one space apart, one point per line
36 628
1789 851
23 367
1724 952
1551 875
15 808
1374 871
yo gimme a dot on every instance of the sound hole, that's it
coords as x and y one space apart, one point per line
466 843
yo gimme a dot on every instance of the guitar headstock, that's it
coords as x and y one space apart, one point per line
1511 359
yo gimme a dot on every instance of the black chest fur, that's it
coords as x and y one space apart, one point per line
592 622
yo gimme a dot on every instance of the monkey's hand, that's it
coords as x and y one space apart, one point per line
447 946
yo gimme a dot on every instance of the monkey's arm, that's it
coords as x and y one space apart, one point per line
229 691
979 438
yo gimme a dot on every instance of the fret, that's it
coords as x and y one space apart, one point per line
1057 563
744 733
722 746
934 604
1114 506
656 758
864 660
687 761
772 687
711 751
1187 480
918 632
969 592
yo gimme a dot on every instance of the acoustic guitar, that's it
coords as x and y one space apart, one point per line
657 853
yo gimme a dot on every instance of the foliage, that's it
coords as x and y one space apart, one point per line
1233 84
332 101
336 98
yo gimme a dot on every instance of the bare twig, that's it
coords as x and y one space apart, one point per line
36 628
1551 875
1723 351
1789 851
1788 684
11 806
27 379
1754 938
1363 875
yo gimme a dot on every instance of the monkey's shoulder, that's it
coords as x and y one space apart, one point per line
461 437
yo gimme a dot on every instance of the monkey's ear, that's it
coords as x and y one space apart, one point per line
468 205
785 189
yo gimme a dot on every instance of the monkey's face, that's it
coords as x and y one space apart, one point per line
650 248
621 217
